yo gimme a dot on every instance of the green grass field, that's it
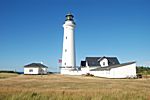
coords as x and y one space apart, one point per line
59 87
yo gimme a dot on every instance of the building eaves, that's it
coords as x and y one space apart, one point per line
35 65
112 66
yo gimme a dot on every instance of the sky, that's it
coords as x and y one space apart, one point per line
31 31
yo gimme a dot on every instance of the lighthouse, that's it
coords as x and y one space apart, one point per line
68 53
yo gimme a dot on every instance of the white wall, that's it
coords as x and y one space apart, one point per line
35 70
87 69
70 72
27 70
124 72
104 73
44 71
119 72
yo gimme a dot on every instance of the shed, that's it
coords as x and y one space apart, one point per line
35 69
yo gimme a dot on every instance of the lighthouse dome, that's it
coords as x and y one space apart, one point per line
69 16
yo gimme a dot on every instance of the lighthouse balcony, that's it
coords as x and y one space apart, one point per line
66 67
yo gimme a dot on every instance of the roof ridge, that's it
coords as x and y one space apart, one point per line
35 64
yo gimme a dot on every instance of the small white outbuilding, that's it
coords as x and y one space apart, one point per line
35 69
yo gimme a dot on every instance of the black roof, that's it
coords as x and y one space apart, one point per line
112 61
83 63
70 14
112 66
36 65
94 61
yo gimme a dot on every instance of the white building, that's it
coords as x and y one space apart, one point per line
108 67
35 68
68 54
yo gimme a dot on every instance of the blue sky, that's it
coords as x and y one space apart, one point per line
31 31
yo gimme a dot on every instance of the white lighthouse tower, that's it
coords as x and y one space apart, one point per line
68 53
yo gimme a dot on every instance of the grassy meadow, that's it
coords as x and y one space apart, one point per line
7 75
60 87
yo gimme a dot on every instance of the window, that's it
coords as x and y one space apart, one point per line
30 70
65 50
104 63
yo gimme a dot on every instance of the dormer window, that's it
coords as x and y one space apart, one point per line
104 62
